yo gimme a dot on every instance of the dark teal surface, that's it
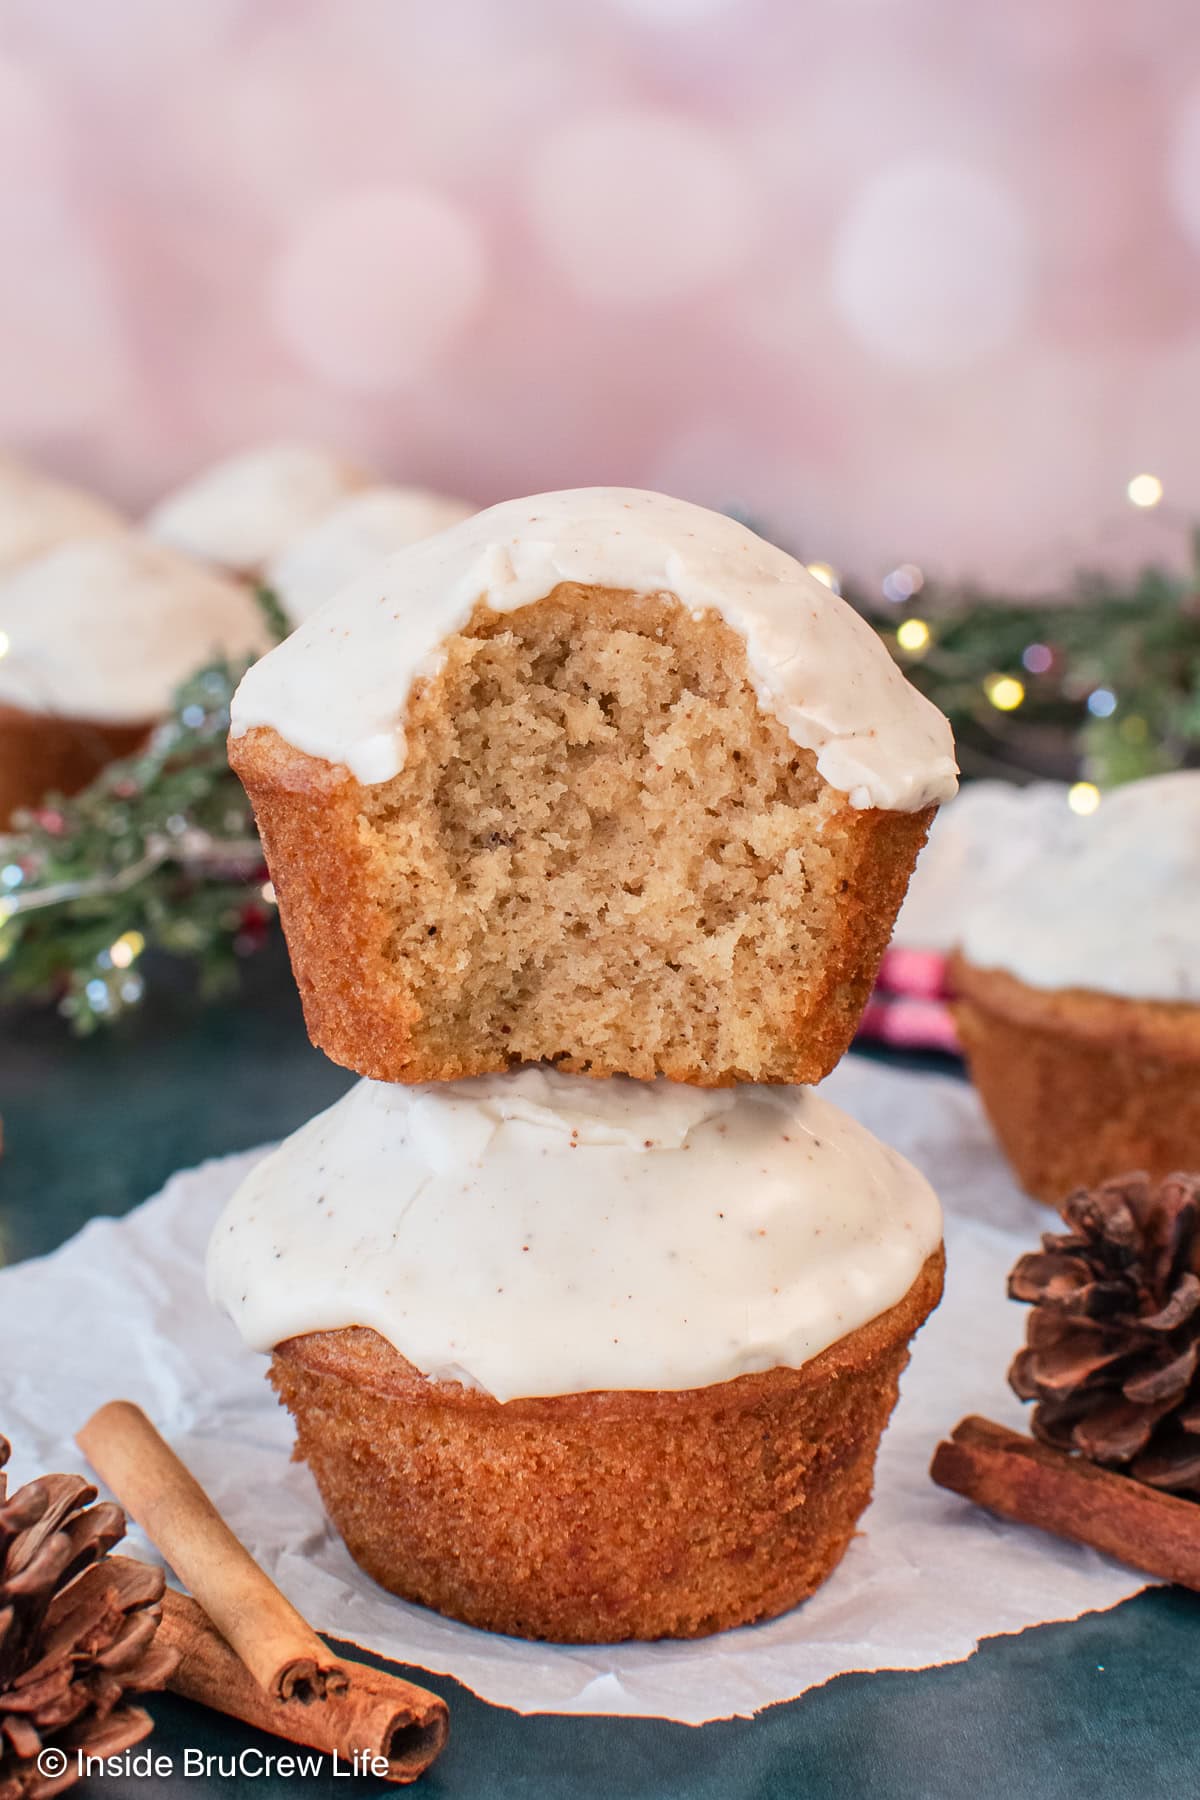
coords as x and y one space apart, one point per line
1106 1706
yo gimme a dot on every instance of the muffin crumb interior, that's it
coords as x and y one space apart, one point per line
589 732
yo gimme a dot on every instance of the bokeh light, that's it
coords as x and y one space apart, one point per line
913 636
1145 490
826 574
1004 691
902 583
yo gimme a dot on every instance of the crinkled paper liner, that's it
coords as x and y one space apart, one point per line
121 1310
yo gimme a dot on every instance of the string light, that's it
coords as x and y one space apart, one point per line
267 890
1145 490
913 636
902 583
1037 658
1102 703
1004 691
127 949
1083 798
826 574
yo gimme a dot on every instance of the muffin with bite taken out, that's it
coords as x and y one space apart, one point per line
597 778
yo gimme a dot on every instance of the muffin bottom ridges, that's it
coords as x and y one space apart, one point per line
590 1518
1080 1086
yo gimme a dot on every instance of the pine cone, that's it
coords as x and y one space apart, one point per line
76 1632
1113 1342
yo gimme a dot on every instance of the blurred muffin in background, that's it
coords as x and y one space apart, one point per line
342 545
986 835
1078 994
37 512
98 635
246 509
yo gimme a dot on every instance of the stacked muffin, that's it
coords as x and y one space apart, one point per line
593 784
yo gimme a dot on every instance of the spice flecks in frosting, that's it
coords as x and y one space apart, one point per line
338 687
536 1233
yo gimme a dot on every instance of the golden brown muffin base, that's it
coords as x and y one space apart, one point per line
1080 1086
591 1518
42 753
601 853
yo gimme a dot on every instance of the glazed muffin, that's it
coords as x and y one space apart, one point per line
596 778
983 839
246 509
355 537
1078 995
37 512
585 1360
99 633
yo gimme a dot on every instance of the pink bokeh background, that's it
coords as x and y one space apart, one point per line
906 279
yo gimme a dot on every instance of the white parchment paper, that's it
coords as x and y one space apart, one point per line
121 1311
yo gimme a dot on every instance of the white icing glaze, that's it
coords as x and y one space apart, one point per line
538 1233
37 513
983 837
1113 905
337 688
353 538
105 629
244 510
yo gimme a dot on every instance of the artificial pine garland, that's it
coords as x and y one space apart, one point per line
160 851
1103 684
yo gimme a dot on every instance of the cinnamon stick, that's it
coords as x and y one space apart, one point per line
260 1641
1022 1479
377 1716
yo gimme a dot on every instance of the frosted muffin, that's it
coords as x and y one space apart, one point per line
1078 991
987 835
585 1360
100 632
597 778
36 513
356 536
246 509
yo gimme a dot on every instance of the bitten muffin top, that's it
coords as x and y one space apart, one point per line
337 689
534 1233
